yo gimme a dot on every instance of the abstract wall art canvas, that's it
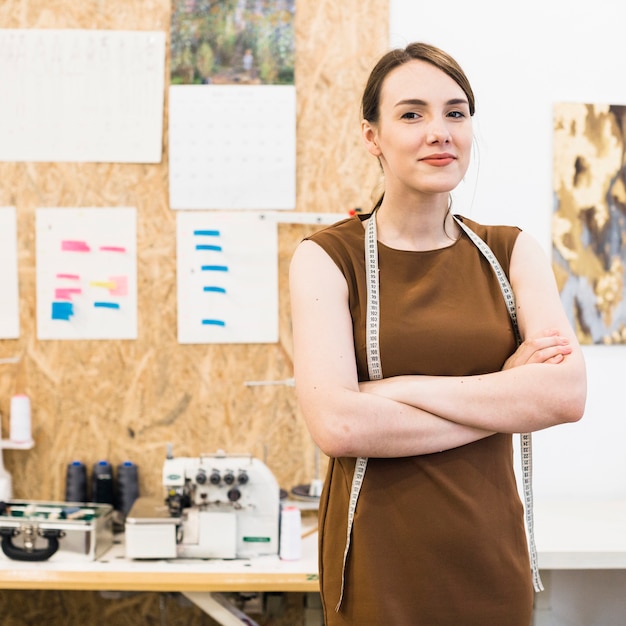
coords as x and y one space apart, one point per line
589 219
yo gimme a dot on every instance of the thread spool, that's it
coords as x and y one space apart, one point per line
290 534
102 483
20 429
127 484
76 482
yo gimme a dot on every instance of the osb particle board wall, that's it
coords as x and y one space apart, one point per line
120 400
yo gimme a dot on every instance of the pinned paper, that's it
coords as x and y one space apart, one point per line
81 95
227 267
232 147
86 273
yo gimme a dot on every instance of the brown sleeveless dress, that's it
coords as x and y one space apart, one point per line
438 539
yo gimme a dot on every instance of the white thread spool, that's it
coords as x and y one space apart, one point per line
20 419
290 534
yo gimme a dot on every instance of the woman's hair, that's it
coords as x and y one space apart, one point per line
370 103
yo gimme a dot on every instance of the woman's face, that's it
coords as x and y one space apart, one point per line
423 136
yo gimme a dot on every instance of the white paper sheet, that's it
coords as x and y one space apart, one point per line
81 95
86 273
227 277
9 291
232 147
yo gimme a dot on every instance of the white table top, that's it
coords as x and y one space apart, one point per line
581 534
113 571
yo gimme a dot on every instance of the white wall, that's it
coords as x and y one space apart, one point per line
521 58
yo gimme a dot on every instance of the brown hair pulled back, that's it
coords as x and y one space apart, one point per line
413 52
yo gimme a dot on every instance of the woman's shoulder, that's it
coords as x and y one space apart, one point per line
343 242
346 233
500 238
492 233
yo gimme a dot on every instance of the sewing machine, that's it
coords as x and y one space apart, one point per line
216 506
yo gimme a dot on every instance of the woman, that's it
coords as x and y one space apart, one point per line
437 536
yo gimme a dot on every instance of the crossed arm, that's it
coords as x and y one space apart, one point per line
542 384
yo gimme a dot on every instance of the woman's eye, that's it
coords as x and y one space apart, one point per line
457 114
411 115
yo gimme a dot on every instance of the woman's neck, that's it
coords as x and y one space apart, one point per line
420 227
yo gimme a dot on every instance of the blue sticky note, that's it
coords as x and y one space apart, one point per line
62 310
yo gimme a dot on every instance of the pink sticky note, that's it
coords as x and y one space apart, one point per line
66 293
69 245
121 285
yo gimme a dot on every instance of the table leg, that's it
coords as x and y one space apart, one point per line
217 607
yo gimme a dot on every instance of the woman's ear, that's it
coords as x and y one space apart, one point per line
370 138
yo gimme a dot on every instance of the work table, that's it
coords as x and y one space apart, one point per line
587 534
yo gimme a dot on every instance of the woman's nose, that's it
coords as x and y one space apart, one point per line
438 131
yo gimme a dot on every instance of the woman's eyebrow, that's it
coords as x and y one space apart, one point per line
419 102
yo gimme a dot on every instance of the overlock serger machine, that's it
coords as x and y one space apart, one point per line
216 506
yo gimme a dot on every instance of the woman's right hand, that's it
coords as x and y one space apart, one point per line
549 347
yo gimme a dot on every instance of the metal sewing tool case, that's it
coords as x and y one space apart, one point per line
57 531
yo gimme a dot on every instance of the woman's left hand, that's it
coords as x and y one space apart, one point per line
550 347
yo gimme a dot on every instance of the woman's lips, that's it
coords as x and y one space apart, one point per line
438 160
